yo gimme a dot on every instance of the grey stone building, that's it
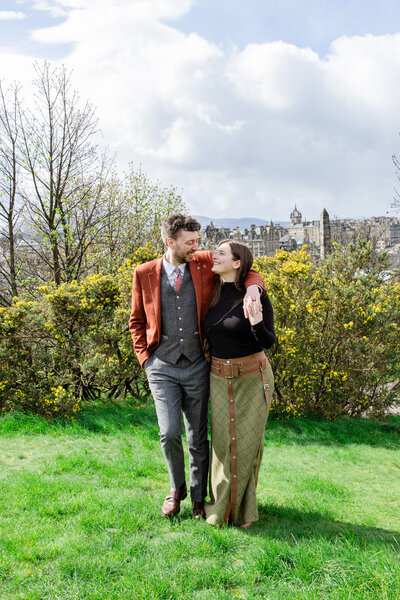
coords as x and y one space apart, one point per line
318 235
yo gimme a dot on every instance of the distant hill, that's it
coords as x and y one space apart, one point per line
243 223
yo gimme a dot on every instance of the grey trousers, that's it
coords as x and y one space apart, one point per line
182 389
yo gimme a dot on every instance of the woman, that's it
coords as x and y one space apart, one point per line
241 383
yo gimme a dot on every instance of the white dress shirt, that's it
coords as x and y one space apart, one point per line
170 270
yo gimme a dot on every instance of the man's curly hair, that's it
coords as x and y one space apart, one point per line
174 223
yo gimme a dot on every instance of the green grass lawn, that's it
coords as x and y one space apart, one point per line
80 515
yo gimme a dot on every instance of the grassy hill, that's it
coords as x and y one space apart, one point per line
80 515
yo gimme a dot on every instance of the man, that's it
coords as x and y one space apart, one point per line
170 299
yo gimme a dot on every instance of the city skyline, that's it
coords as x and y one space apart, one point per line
261 220
319 236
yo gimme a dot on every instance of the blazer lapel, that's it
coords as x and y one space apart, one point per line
154 280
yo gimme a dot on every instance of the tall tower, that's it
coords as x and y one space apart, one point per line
295 216
324 234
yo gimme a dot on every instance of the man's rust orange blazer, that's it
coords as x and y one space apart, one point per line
145 319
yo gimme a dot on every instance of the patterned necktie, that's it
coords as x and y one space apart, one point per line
178 279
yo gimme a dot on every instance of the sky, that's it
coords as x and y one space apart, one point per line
248 107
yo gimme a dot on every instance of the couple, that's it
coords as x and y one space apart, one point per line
179 302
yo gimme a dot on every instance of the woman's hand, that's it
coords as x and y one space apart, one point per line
253 293
253 308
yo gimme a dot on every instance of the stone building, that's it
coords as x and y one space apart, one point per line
262 240
318 235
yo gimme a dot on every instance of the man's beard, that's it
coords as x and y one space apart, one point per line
184 258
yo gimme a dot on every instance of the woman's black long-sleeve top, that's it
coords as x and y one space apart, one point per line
233 336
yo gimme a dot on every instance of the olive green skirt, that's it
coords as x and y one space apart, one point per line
240 426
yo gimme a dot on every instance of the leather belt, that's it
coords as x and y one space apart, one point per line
236 367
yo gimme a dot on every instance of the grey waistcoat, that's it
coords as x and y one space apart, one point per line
179 329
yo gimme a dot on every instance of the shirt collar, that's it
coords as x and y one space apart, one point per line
171 268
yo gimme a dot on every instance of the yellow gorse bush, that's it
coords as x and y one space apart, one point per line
72 345
337 327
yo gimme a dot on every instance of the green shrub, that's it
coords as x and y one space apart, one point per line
71 345
337 325
338 332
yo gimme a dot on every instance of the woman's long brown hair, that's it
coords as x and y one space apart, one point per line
239 252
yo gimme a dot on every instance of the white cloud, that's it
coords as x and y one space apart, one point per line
274 75
51 7
247 132
15 67
104 14
11 15
364 71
